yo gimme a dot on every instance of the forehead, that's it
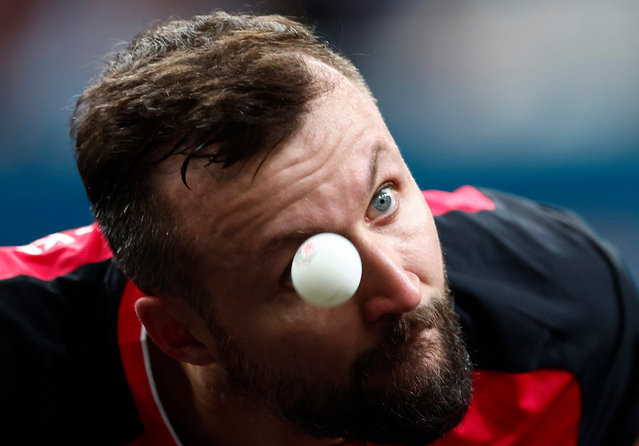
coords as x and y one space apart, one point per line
331 156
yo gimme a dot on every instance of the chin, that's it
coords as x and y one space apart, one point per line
410 389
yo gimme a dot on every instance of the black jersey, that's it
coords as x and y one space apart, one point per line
539 293
548 310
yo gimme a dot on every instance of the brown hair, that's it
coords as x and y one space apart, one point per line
224 87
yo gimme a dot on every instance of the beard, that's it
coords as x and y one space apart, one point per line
411 388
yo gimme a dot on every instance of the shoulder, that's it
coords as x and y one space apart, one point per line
537 288
60 372
55 254
523 265
529 243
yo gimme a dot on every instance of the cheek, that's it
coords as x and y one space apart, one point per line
420 244
322 339
306 339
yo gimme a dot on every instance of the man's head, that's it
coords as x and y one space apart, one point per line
388 365
221 87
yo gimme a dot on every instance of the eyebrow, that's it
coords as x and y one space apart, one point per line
372 165
302 233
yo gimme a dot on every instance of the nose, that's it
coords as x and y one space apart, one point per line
386 286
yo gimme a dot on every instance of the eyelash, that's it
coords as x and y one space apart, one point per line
393 206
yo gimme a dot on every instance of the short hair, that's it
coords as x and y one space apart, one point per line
220 86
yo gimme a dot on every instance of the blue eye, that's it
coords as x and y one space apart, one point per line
383 202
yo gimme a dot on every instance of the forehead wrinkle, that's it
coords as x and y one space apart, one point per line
312 167
246 214
302 231
266 194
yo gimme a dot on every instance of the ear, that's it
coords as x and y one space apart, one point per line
176 328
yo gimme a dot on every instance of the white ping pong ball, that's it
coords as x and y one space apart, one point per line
326 270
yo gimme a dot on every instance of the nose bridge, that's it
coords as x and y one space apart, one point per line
387 286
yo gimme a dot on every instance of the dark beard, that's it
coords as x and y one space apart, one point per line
410 389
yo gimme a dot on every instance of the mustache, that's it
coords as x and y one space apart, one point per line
403 329
404 332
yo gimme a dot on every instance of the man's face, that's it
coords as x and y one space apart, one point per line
386 366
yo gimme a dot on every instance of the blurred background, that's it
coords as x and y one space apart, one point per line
538 98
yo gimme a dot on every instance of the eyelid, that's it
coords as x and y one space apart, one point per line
388 215
388 184
285 290
286 278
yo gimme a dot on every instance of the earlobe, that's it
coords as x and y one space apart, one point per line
171 325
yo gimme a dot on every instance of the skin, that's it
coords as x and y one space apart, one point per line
248 226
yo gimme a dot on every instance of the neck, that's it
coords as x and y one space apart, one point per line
201 414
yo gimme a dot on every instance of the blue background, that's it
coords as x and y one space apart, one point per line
535 98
